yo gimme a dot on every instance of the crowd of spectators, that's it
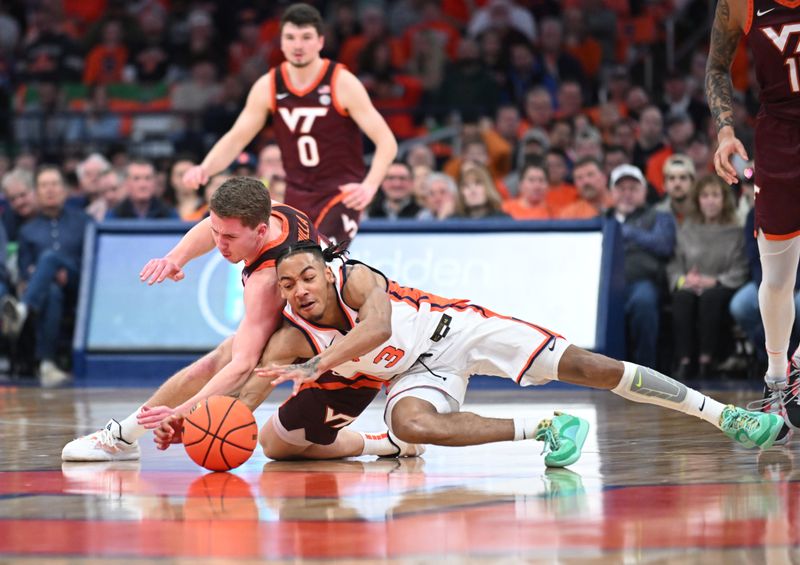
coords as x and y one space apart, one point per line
554 115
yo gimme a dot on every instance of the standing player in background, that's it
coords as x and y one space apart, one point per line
319 110
773 31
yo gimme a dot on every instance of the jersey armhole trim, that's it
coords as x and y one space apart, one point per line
273 101
336 103
749 21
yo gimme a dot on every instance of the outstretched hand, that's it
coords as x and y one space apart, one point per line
151 418
159 270
168 432
300 373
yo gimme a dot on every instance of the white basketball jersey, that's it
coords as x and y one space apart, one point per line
418 322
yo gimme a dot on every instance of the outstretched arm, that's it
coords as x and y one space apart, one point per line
247 125
360 107
197 241
725 35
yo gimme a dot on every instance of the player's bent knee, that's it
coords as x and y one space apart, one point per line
585 368
417 423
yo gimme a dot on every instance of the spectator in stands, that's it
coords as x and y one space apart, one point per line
421 155
538 108
507 123
592 187
197 92
106 62
48 54
18 189
650 138
554 65
701 154
141 201
482 145
439 191
601 24
678 100
709 265
679 176
111 191
477 197
561 134
189 203
569 99
202 44
531 204
588 143
520 77
395 198
468 89
248 47
744 306
562 192
150 55
270 166
649 239
89 172
623 134
636 100
50 251
514 23
42 124
615 155
680 131
96 125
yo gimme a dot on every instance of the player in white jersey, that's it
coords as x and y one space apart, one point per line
360 327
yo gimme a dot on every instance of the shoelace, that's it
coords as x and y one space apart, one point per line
738 420
549 436
775 398
105 437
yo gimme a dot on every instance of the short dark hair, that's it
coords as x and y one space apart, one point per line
244 198
588 160
302 15
47 167
534 164
308 246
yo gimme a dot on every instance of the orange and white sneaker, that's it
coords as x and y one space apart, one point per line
405 449
103 445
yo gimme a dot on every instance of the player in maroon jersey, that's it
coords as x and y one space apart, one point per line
772 28
319 110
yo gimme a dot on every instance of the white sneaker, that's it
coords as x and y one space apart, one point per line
50 375
14 314
405 449
103 445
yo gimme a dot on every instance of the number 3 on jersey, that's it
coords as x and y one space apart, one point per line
307 149
389 354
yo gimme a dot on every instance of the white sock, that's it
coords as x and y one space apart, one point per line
640 384
130 429
776 300
377 443
524 428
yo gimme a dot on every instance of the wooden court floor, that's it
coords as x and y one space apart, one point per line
652 486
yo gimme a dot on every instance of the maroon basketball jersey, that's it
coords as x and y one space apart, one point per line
320 144
295 226
773 33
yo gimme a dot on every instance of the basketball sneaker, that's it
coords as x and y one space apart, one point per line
405 449
563 437
103 445
791 400
751 429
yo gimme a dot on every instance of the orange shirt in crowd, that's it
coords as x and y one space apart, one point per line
561 196
583 210
104 65
519 209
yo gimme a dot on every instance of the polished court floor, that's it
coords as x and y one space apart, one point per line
652 487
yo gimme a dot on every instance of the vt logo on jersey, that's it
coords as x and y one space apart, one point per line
780 39
307 148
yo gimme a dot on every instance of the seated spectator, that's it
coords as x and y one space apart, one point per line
270 165
19 192
111 191
395 198
421 154
50 252
679 175
648 238
106 62
189 203
439 192
477 197
531 203
562 193
744 307
96 125
592 184
141 201
709 265
89 172
615 155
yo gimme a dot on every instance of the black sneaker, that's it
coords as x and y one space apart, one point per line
791 400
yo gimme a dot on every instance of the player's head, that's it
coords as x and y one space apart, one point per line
301 34
240 210
305 279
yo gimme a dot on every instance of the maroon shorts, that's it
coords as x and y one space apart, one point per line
331 218
777 163
328 405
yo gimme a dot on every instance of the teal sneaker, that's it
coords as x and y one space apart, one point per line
751 429
563 438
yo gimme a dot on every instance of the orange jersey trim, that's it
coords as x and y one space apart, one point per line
749 21
310 87
331 203
336 103
778 237
273 101
788 3
275 242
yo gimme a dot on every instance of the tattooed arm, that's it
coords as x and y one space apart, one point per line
725 34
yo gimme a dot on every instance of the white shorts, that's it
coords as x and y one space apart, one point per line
480 343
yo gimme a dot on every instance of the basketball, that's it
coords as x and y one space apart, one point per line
220 434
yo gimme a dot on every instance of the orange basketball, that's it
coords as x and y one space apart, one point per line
220 433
